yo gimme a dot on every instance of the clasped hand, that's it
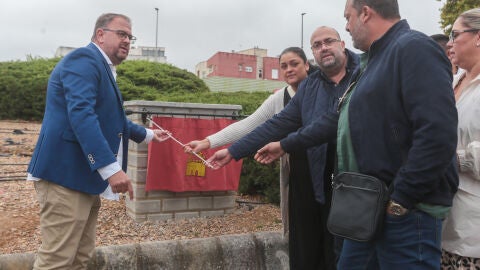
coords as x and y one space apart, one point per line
196 146
121 184
160 135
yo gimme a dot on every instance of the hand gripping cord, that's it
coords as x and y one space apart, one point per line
183 145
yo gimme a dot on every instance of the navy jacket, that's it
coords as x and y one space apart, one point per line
83 124
403 119
316 96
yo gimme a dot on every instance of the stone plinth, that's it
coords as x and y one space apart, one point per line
165 205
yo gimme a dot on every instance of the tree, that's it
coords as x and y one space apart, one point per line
452 9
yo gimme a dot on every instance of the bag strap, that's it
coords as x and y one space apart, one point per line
286 96
341 101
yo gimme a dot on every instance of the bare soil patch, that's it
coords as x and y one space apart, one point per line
19 222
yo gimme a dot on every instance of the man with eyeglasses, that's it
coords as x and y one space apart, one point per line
83 144
121 34
311 246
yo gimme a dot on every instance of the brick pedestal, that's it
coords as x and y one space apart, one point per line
165 205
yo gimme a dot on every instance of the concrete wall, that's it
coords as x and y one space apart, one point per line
264 250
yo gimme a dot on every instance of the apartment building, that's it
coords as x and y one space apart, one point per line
153 54
248 70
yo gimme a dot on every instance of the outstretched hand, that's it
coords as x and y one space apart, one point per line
269 153
220 159
196 146
160 135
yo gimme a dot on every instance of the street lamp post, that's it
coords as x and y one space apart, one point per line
156 36
302 29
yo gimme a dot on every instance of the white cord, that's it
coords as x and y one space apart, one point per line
206 163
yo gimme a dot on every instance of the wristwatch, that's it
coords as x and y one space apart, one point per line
396 209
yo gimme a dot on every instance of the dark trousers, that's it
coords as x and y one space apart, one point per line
411 241
310 244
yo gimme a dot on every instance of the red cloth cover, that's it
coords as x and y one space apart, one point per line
170 168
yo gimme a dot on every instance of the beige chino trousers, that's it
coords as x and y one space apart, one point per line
68 221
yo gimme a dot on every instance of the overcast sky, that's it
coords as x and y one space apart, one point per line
190 30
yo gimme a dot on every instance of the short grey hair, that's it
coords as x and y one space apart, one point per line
105 19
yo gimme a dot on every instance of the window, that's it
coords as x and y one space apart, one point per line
153 53
239 67
275 74
260 73
248 69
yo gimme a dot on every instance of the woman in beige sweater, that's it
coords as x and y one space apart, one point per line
294 67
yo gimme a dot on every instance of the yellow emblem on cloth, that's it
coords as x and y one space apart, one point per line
195 166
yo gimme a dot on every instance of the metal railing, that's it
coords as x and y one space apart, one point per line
19 170
145 113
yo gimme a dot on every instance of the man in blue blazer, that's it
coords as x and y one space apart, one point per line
83 144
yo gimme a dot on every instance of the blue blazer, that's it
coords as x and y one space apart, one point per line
83 123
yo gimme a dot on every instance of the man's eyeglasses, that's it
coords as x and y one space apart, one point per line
121 34
327 42
455 33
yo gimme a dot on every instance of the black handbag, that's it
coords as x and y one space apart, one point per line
358 206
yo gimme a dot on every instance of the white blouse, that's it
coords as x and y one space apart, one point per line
461 228
468 147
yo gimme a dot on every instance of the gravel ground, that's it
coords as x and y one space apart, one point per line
19 220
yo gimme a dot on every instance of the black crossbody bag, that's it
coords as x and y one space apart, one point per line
358 206
359 201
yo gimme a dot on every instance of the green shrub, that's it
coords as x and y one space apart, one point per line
260 179
23 87
165 78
